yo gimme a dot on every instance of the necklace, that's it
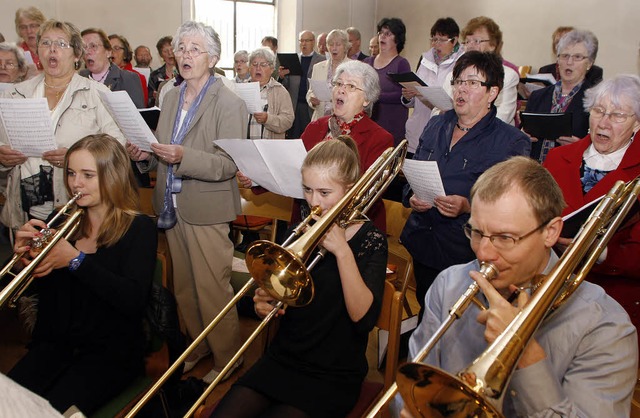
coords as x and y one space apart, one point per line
60 89
461 128
101 78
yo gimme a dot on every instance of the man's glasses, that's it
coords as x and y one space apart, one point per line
60 43
617 117
347 86
472 84
499 241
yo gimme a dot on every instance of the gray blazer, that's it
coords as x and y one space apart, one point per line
209 189
118 80
292 82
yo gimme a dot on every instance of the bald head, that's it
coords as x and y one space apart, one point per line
307 42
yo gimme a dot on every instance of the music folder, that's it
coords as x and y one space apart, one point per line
151 116
406 80
291 61
547 125
574 221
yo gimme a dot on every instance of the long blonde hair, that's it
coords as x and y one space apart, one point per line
117 184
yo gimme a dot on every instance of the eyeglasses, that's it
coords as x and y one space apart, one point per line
239 61
347 86
435 40
117 48
33 26
471 84
92 47
306 40
576 57
617 117
260 64
475 41
499 241
60 43
194 52
385 33
8 65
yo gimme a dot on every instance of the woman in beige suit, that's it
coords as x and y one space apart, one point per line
337 47
196 194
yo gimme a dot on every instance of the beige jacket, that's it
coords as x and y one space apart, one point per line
280 111
83 114
210 192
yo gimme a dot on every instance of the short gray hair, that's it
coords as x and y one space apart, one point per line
242 54
339 35
353 31
191 28
369 77
621 88
264 53
577 36
22 62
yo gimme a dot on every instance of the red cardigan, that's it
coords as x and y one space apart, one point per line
371 140
620 271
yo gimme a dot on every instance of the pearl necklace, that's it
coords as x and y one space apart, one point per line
461 128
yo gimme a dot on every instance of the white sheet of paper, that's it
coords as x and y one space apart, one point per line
128 118
424 178
28 58
320 90
407 324
146 72
250 93
544 76
437 96
271 163
28 125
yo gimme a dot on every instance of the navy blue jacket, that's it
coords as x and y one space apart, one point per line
438 241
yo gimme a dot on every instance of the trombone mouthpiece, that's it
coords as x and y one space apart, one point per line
488 270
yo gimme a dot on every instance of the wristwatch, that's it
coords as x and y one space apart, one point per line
75 262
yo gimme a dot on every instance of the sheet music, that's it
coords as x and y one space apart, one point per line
262 161
250 93
437 96
28 125
128 118
424 178
320 90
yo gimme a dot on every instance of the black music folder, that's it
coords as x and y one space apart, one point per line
291 61
151 116
547 125
574 221
407 80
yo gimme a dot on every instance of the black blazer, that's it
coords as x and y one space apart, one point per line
594 75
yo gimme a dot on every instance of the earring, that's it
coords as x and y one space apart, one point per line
77 65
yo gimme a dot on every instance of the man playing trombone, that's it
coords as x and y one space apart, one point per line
583 359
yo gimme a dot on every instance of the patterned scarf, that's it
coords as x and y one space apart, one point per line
559 102
338 127
168 218
590 177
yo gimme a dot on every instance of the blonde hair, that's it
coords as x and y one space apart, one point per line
32 13
339 157
117 184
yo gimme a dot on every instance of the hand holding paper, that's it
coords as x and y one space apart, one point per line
128 118
27 123
424 179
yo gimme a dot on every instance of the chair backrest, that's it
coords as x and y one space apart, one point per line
268 205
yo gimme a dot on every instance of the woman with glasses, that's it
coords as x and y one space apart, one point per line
337 47
166 72
356 88
36 184
577 51
434 65
13 66
122 55
196 195
98 60
464 141
388 111
588 168
277 111
28 21
241 67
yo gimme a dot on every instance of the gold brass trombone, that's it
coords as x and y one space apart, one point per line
20 281
281 270
479 389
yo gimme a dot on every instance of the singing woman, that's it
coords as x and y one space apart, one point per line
88 342
316 363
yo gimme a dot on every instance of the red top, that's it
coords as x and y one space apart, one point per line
143 81
36 59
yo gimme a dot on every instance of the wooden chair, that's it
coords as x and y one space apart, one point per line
260 213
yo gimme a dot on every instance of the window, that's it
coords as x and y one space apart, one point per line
241 24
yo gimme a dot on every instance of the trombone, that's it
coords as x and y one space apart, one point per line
281 270
479 389
20 281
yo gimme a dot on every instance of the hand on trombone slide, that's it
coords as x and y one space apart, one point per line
58 257
264 303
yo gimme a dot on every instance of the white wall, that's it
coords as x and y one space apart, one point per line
527 27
